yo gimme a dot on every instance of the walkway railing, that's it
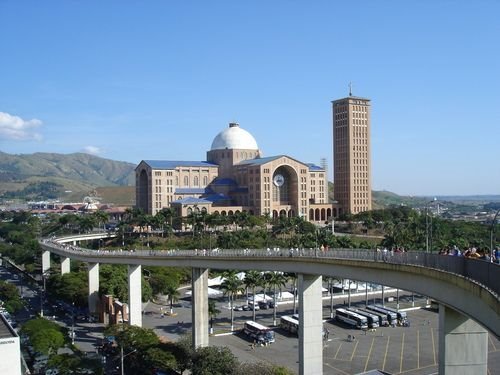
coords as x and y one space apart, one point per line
482 272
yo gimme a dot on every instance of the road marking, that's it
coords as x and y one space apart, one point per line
354 351
418 349
386 351
337 351
433 346
343 372
369 353
422 368
402 351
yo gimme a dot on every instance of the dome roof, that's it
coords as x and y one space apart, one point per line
234 137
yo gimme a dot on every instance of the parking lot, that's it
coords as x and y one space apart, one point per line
399 350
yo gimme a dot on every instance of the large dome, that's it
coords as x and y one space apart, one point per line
234 137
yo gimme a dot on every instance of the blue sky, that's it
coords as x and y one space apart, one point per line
130 80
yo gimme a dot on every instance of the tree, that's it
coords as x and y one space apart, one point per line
212 360
47 341
138 342
252 280
213 311
275 280
71 287
157 358
9 295
86 223
45 336
261 368
231 286
173 295
100 217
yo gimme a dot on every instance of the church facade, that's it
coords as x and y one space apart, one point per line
235 178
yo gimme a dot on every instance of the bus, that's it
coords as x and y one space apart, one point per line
294 319
373 320
392 317
259 333
382 318
290 324
401 316
351 318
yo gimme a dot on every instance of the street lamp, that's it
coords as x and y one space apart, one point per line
492 230
73 323
123 356
42 294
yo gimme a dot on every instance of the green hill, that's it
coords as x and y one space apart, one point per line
31 176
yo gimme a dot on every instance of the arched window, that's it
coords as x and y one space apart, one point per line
195 181
186 181
205 181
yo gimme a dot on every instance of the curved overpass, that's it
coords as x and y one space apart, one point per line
468 286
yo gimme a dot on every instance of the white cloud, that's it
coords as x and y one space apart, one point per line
92 150
14 127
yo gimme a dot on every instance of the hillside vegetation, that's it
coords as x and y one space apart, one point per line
27 175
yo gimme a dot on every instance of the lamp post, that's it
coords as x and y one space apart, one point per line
492 230
123 356
42 294
73 324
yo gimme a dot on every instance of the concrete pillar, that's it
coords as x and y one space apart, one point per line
463 344
310 325
135 295
93 287
65 265
45 261
199 308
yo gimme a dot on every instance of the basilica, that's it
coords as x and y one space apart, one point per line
235 177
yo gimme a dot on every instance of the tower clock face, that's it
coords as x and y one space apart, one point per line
279 180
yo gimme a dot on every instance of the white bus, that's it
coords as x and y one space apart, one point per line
373 320
351 318
290 324
261 334
382 318
294 320
391 316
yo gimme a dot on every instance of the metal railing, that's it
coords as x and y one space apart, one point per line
480 271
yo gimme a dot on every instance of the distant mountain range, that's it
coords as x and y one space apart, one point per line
70 177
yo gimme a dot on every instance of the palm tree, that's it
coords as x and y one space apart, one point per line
252 280
212 312
231 286
173 296
100 217
276 280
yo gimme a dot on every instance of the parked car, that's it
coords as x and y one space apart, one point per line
263 305
250 304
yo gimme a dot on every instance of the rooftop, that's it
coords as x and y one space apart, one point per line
172 164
